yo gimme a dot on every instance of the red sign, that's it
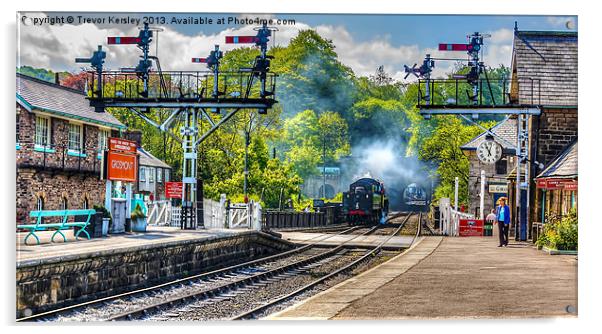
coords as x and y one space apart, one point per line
122 145
556 184
122 167
471 227
173 189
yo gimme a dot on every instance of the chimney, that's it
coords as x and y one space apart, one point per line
135 136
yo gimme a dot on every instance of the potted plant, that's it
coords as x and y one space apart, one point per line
138 219
106 219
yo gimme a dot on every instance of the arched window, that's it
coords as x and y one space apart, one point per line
64 203
85 203
40 203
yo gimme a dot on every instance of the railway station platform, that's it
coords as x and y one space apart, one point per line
452 278
350 240
52 275
155 236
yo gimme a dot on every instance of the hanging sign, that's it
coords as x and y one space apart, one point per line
122 145
557 184
498 188
122 167
173 189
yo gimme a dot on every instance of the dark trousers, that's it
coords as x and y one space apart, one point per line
503 235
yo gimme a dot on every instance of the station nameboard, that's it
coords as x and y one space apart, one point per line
122 145
173 189
557 184
498 188
121 167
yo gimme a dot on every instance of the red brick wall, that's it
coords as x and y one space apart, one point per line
53 176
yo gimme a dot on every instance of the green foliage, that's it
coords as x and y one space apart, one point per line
560 233
104 211
137 213
443 148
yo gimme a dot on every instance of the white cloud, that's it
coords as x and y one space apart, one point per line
56 47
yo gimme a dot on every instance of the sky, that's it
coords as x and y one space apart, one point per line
363 42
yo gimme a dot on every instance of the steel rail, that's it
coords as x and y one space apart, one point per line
184 280
243 282
251 313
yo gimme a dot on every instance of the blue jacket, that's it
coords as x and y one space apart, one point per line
506 214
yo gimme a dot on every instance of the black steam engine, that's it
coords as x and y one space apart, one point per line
365 202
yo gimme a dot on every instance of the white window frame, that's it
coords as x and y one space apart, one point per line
103 139
159 175
39 135
166 174
151 174
71 127
142 173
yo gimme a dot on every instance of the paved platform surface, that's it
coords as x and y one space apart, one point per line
114 242
457 278
397 242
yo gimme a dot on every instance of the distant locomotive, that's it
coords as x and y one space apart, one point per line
365 202
415 198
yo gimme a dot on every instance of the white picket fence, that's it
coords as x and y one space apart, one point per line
159 213
216 215
450 218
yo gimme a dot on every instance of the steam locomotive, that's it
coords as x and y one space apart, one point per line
365 202
415 198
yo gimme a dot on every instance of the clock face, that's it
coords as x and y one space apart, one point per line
489 152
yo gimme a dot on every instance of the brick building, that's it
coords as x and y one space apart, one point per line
551 57
496 174
58 145
544 72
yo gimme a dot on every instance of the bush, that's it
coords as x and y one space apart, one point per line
138 213
560 233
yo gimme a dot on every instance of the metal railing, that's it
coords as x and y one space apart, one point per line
58 157
452 93
177 85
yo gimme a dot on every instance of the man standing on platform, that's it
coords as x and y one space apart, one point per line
503 221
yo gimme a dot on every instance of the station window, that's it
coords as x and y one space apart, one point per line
42 135
142 173
151 174
75 137
40 203
167 175
103 139
159 175
85 203
501 167
64 203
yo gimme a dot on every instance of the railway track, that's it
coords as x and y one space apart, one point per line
251 314
213 287
74 312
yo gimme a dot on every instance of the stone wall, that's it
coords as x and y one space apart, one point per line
556 129
58 282
474 182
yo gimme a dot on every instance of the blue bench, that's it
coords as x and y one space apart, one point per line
63 225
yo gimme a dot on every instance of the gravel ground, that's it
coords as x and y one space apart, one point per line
233 303
108 309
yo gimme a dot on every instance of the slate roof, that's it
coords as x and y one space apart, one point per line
34 93
564 165
506 129
147 159
551 57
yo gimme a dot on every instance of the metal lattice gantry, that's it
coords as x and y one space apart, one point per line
471 95
190 96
